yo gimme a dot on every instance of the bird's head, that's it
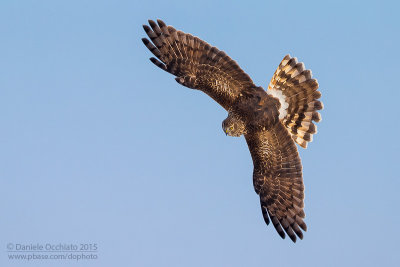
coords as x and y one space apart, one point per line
233 126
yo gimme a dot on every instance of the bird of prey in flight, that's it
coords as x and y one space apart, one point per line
271 120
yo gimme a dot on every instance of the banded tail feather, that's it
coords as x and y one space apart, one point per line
271 136
297 92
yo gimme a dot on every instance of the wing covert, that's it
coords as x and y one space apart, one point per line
277 178
196 64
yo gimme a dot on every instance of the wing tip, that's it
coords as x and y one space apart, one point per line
265 214
161 23
146 28
152 23
145 41
158 63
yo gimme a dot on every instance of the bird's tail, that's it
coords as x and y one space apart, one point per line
297 92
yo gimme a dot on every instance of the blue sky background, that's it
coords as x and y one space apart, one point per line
100 146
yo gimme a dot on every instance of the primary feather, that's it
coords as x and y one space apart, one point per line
271 121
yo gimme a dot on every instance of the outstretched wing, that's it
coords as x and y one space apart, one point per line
196 64
277 178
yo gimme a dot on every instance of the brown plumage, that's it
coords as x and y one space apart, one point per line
271 121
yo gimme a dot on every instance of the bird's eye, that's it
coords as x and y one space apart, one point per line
231 128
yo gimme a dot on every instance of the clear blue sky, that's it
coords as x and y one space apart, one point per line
100 146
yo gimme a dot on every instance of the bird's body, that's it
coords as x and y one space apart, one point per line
271 121
258 110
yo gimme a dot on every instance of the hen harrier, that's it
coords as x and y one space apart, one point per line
271 121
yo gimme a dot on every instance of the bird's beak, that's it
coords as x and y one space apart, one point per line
226 133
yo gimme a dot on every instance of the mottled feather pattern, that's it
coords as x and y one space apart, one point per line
196 64
271 121
300 93
277 178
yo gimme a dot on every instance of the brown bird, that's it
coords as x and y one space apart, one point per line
271 121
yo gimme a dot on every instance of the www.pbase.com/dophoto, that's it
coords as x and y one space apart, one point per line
111 159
